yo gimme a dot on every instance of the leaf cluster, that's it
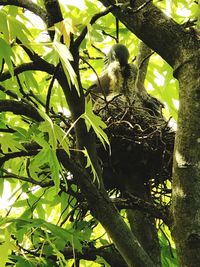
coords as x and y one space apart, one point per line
44 76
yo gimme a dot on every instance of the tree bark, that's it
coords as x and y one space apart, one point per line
143 226
181 49
186 178
101 206
161 33
142 61
104 211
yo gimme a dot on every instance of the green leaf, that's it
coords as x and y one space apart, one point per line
90 164
56 134
46 156
95 122
61 136
40 139
8 143
18 30
40 223
65 57
31 82
24 262
58 231
4 25
1 184
55 169
5 248
40 211
48 126
7 54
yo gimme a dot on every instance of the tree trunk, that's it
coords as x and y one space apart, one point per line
143 226
180 48
186 178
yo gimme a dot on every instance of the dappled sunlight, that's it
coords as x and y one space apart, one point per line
75 162
178 192
77 3
180 160
7 200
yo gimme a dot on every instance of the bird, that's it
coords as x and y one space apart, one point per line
119 77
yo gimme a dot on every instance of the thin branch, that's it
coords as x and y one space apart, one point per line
36 98
51 87
10 175
21 89
92 21
110 35
7 130
2 66
145 59
169 242
133 202
8 92
32 55
85 52
27 4
17 154
108 252
99 82
99 50
117 30
26 97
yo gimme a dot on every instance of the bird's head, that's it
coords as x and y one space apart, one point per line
118 52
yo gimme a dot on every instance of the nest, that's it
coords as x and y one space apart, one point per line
141 144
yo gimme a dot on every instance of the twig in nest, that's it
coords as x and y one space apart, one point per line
108 102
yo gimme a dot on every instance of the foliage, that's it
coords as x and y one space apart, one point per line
41 213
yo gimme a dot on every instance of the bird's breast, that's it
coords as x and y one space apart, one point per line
116 79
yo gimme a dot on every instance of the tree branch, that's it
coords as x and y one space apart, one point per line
17 154
32 55
142 61
109 253
104 211
92 21
47 106
10 175
158 31
27 4
54 14
133 202
8 92
20 108
40 65
7 130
